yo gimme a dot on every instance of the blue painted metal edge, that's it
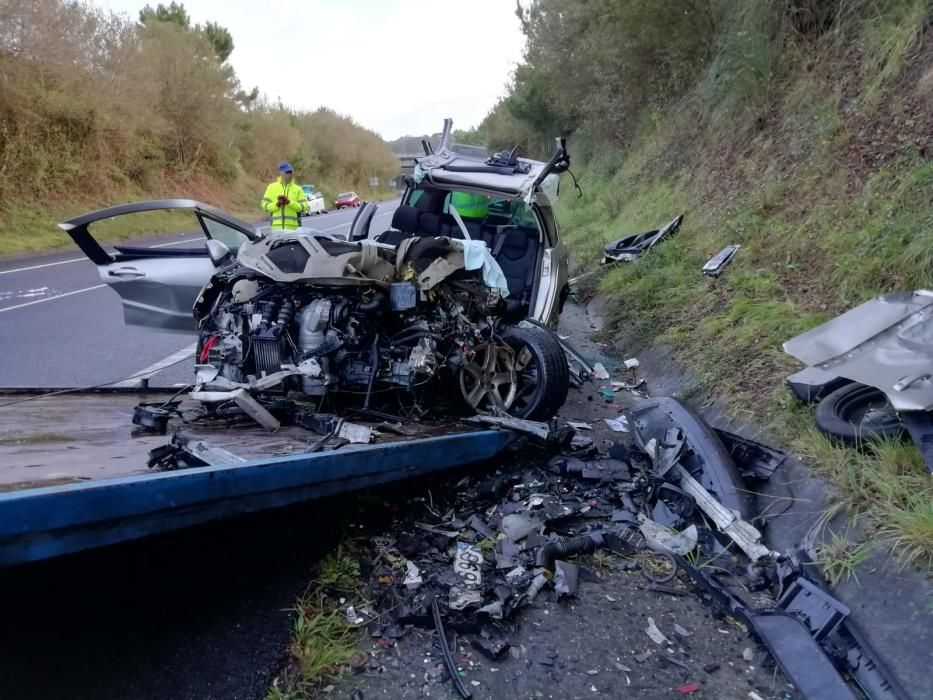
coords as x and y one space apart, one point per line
48 522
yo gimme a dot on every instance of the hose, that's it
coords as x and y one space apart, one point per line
550 552
374 304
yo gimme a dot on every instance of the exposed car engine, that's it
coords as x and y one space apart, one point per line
409 324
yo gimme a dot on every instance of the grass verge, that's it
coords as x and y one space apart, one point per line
323 641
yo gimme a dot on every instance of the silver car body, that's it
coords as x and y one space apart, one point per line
886 342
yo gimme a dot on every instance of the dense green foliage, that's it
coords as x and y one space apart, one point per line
96 108
800 129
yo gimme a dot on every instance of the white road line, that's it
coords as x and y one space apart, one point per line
143 374
187 240
377 216
36 267
57 296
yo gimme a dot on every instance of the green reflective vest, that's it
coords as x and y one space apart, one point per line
289 216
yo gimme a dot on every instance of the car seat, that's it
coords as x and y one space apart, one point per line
516 251
405 223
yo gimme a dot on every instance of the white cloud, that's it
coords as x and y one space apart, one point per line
396 66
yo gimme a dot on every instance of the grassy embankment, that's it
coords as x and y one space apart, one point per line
832 201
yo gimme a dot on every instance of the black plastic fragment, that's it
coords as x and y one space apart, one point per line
494 648
703 454
756 460
800 656
813 606
585 544
154 417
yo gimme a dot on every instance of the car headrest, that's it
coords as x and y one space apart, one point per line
430 224
406 219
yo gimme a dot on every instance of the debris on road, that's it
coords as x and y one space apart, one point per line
618 425
600 372
531 534
183 452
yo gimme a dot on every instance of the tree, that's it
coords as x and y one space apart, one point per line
220 39
175 12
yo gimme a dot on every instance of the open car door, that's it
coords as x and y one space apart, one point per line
359 229
159 285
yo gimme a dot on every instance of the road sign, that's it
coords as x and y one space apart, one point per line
374 181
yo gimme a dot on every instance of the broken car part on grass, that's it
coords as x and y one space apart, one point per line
668 495
630 248
884 349
716 264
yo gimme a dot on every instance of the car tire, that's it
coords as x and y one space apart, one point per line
855 413
549 393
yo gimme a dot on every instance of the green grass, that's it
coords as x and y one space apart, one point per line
323 642
839 559
25 229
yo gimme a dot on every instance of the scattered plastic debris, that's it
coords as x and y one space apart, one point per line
600 372
716 264
656 635
353 617
631 363
618 425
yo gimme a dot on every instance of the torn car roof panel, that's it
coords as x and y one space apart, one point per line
886 343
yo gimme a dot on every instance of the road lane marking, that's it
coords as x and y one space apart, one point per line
147 373
350 223
187 240
36 267
57 296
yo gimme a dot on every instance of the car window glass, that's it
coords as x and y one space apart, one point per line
504 211
414 197
146 224
227 235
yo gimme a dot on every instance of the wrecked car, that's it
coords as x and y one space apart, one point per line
504 200
418 312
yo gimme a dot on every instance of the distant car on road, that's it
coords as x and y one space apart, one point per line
347 199
316 203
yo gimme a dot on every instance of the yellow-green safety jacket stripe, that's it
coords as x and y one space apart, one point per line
287 217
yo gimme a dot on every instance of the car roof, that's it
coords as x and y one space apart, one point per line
468 168
458 170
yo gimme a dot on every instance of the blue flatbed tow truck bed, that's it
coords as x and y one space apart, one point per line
73 475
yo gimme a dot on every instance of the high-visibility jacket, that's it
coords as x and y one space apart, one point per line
289 216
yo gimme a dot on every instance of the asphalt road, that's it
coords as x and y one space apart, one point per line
60 326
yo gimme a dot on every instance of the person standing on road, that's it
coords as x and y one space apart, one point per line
285 201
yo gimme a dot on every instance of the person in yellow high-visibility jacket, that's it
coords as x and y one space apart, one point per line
285 201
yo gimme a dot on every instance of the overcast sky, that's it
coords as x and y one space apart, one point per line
396 66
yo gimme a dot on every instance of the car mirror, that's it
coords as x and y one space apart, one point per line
217 251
